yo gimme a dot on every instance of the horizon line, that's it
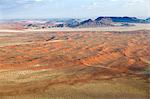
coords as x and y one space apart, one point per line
92 17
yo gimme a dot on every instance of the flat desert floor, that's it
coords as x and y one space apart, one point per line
75 64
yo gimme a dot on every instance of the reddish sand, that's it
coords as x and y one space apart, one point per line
80 56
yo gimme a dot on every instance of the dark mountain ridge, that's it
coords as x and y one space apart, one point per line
112 21
123 19
98 22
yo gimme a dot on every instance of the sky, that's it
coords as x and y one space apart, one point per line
13 9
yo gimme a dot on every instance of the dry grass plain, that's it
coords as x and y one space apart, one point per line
75 64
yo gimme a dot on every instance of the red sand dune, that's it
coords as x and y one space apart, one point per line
83 56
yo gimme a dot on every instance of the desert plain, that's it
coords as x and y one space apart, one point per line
75 64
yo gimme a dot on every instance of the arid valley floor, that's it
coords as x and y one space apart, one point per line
75 64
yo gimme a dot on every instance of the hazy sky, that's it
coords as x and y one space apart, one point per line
73 8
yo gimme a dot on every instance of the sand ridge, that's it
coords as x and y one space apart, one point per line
36 62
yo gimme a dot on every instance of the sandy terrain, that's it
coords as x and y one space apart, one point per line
74 64
129 28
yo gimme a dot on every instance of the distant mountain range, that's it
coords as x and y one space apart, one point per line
98 22
112 21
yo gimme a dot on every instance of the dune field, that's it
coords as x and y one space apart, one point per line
74 64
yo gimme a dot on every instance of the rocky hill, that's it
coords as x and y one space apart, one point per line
95 23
